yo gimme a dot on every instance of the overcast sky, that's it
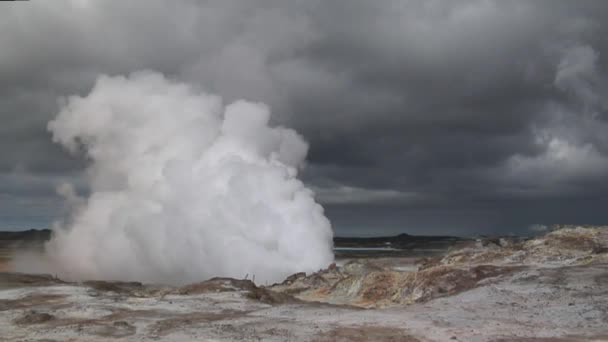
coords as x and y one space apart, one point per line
427 117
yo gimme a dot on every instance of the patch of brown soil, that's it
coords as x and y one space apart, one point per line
30 300
379 286
127 314
34 317
129 289
100 327
114 286
169 325
363 334
4 265
573 242
578 238
443 281
116 329
114 325
11 279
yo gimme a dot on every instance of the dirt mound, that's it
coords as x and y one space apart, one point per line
267 296
126 289
114 286
363 284
570 243
217 285
34 317
248 287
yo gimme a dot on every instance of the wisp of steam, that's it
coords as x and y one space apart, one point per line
183 188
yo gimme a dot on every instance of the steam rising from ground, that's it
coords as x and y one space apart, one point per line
183 189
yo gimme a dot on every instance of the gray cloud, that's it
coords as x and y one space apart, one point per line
485 110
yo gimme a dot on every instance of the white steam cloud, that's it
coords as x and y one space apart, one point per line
183 189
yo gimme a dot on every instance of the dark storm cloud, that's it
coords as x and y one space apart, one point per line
471 111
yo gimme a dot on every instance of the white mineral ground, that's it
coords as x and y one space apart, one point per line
552 288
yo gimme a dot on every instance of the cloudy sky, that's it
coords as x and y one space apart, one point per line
427 117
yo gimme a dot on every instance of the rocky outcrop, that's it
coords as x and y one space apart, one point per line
565 246
365 283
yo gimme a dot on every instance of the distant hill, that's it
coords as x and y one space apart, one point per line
24 236
401 241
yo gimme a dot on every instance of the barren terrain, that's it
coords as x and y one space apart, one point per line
552 288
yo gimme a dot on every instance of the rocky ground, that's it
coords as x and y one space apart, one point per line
552 288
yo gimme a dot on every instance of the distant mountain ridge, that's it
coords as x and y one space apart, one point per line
30 234
401 241
15 239
379 241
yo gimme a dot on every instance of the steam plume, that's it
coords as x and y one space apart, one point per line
183 189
